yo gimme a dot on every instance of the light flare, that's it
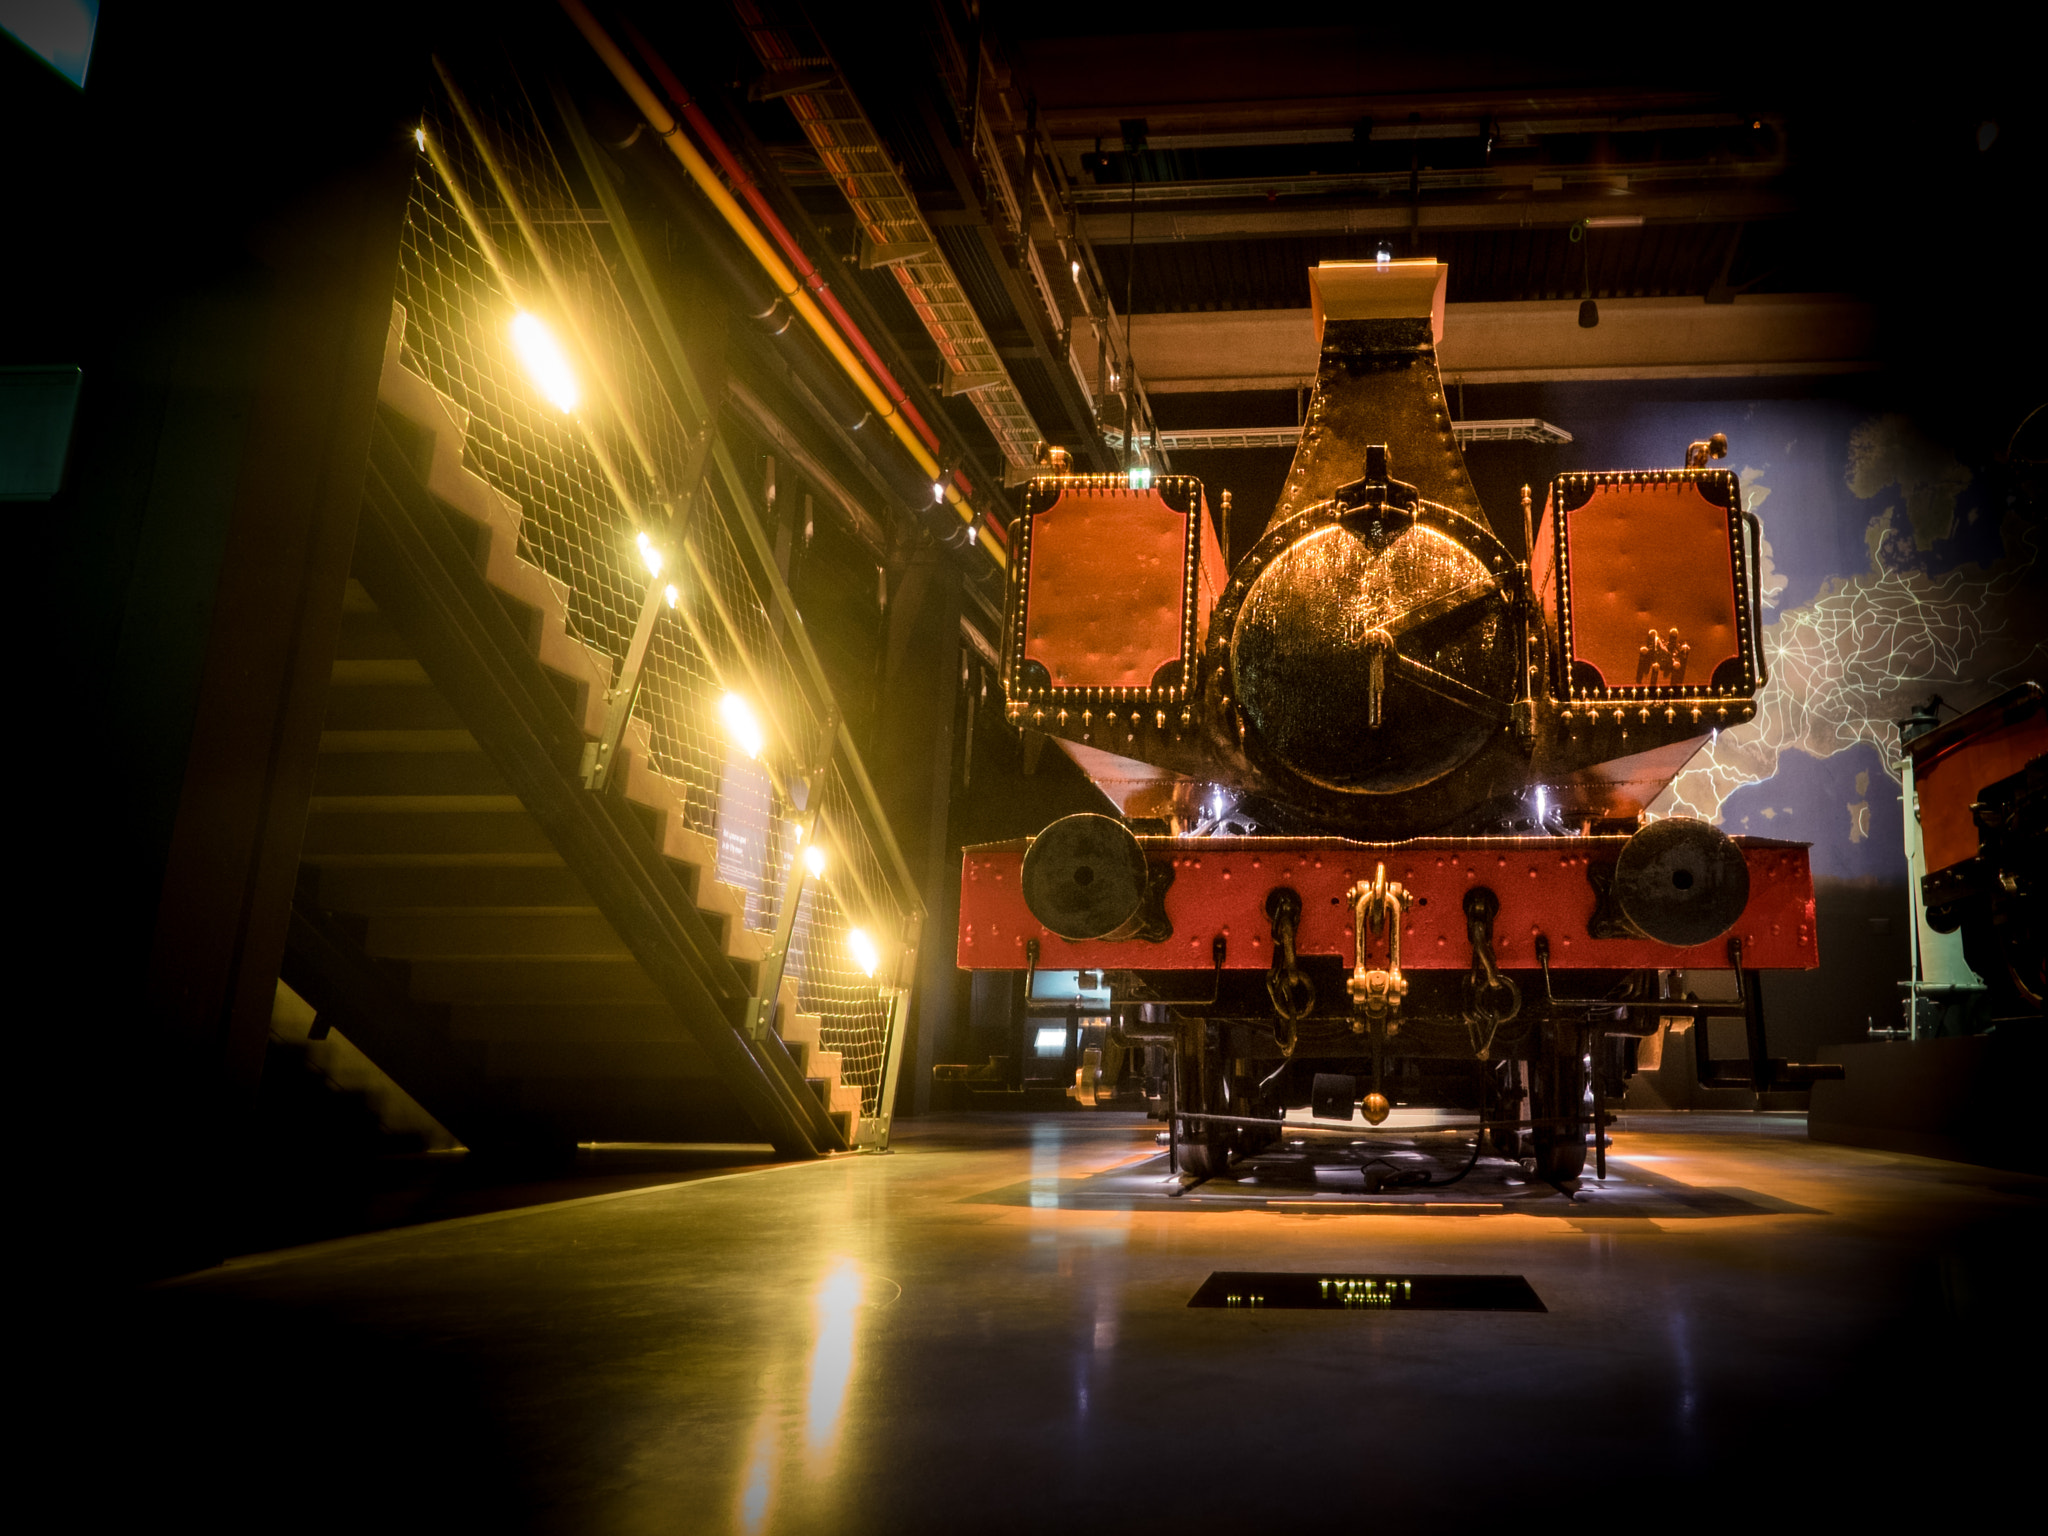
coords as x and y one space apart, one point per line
545 361
865 955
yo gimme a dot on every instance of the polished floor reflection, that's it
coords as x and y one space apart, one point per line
1775 1334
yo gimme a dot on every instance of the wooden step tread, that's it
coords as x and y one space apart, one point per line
480 936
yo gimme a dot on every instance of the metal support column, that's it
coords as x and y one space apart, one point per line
874 1129
768 983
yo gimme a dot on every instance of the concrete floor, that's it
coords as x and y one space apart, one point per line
892 1344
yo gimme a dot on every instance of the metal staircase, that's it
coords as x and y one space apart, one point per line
536 963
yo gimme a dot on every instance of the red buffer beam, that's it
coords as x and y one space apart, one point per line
1220 885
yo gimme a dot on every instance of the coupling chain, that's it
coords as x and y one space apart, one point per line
1292 993
1494 997
1376 991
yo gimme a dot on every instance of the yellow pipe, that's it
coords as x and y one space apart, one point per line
671 133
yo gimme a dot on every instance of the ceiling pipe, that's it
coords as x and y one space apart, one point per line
763 251
812 278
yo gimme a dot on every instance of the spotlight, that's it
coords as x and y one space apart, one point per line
814 860
865 955
546 364
1384 256
671 594
419 137
649 554
740 724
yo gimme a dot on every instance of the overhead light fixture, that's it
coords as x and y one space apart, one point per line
1077 270
671 594
814 860
1384 255
740 725
650 554
865 955
546 364
419 137
1616 221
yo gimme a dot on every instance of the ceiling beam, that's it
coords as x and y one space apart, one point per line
1530 342
1153 226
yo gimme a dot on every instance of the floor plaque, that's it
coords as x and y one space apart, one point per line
1314 1290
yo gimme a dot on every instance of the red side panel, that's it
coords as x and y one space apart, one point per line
1107 580
1220 886
1644 556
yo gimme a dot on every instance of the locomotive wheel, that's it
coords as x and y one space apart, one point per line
1557 1090
1205 1148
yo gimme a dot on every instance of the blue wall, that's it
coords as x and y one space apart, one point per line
1893 569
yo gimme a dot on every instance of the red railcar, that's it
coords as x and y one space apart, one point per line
1382 780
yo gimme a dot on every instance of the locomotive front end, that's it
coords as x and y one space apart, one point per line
1381 780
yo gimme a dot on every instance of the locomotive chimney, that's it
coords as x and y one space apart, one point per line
1377 326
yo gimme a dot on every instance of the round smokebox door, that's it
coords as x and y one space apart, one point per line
1681 882
1084 877
1372 662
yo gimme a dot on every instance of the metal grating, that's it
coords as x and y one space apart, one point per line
492 228
867 174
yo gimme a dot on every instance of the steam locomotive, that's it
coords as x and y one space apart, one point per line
1382 780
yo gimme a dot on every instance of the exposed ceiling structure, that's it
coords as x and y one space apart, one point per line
1025 195
1095 232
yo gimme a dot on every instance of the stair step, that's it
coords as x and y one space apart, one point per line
573 979
445 888
795 1028
500 833
369 636
846 1099
397 741
389 707
467 935
822 1087
403 671
634 1059
567 1023
827 1064
800 1054
406 773
845 1121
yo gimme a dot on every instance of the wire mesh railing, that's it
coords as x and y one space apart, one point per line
494 229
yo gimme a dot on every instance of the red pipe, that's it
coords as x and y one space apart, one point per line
808 274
